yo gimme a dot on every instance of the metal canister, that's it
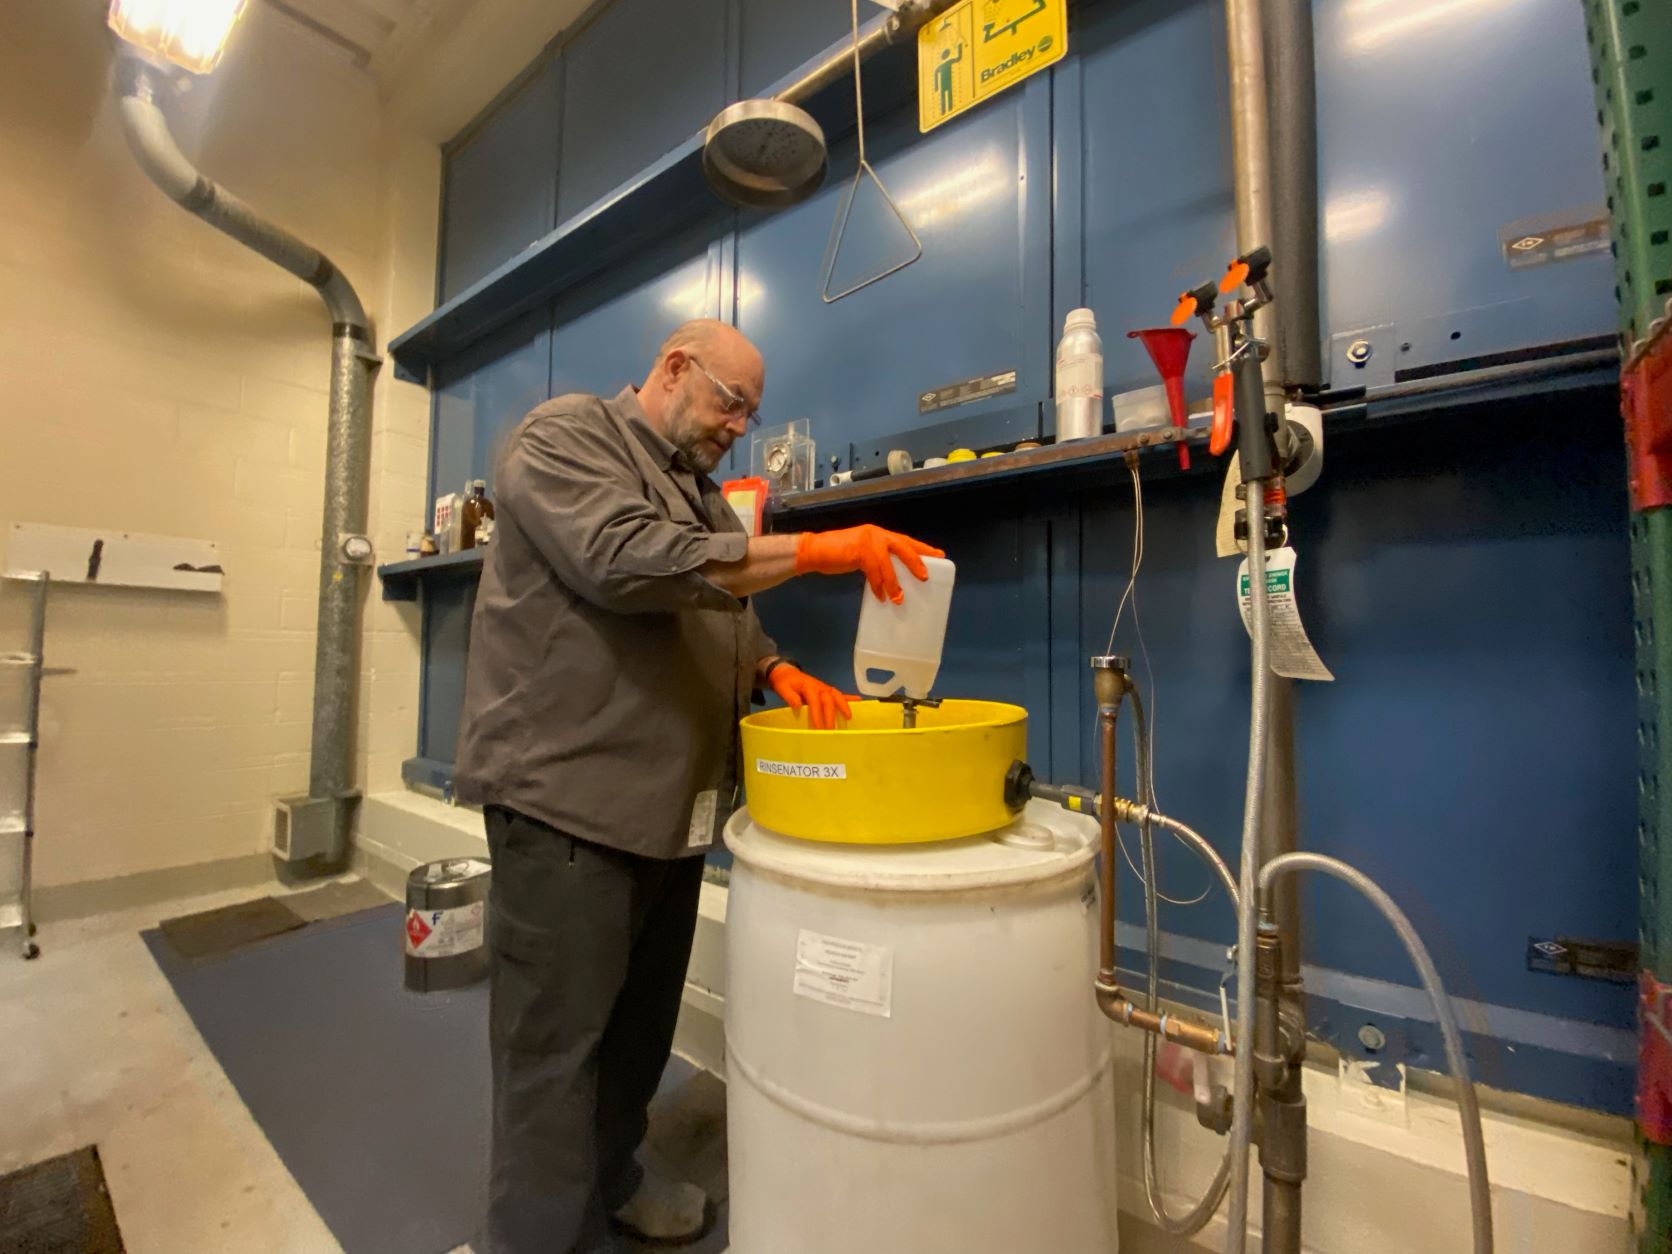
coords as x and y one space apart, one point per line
446 924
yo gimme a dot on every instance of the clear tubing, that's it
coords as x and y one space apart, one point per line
1242 1107
1196 1218
1474 1141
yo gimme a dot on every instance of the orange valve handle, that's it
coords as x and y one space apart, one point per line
824 704
1185 310
1224 387
1235 276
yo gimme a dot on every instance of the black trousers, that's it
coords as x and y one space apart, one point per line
587 954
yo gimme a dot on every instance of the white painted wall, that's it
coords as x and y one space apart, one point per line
160 377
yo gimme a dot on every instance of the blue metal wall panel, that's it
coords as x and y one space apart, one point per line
644 76
500 185
778 35
606 335
483 393
976 303
1439 125
1148 127
448 605
1474 754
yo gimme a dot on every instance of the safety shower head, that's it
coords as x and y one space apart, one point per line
764 154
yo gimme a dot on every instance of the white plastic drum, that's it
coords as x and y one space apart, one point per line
915 1061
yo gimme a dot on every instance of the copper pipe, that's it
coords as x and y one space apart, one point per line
1106 717
1110 684
1119 1007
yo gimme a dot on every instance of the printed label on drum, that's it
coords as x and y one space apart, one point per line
802 770
845 974
443 933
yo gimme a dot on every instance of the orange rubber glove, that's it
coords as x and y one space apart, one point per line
824 703
867 549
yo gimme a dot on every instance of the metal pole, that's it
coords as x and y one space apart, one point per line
1251 161
1281 1102
1292 76
897 27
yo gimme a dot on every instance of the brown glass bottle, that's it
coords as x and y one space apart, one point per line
477 510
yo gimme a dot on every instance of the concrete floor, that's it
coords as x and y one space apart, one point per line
95 1049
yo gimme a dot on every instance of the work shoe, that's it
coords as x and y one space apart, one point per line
666 1212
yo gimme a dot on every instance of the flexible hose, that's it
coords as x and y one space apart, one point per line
1474 1140
1198 844
1196 1218
1242 1104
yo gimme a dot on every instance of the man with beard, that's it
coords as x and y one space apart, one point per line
612 652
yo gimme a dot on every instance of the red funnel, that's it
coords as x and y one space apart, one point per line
1169 349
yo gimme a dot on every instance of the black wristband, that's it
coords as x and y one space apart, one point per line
775 663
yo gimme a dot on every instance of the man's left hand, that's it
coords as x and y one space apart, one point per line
824 703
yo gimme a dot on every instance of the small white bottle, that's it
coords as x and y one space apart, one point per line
1079 378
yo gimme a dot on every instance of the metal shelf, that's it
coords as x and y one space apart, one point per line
401 580
1093 454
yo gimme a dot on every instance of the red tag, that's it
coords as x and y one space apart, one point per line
1646 401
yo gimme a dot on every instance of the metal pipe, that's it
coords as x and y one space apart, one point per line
1278 822
1138 813
1251 159
347 478
1282 1101
1122 1009
1278 1055
1292 78
1474 1141
1242 1116
1108 883
901 25
140 88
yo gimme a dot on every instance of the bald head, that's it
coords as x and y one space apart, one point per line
706 381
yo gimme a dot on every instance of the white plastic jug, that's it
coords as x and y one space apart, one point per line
899 646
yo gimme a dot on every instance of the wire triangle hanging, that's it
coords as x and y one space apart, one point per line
844 211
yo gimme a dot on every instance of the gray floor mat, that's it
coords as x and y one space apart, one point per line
60 1206
376 1098
332 901
215 933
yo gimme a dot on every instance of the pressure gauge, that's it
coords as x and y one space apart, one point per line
779 460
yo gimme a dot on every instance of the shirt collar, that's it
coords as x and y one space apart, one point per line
655 443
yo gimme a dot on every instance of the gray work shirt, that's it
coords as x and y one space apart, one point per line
606 675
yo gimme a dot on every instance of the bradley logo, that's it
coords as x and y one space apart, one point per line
1016 59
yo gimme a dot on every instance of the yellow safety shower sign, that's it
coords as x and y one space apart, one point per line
978 48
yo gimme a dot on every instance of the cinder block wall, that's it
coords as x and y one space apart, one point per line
160 378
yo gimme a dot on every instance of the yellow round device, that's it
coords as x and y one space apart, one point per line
875 782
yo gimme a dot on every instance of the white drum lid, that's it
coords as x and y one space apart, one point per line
1044 843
